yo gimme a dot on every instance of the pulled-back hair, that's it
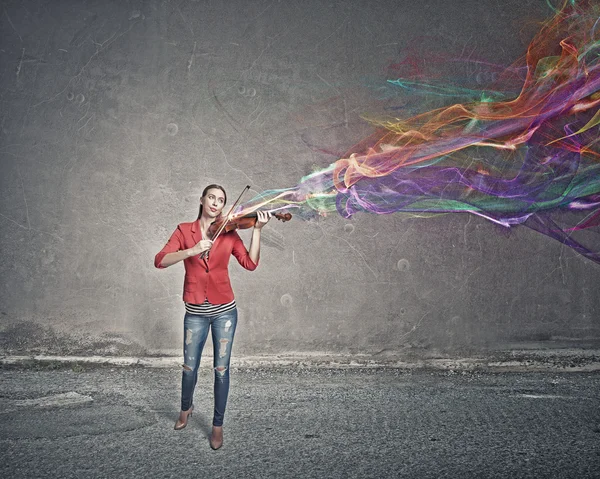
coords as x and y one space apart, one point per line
209 187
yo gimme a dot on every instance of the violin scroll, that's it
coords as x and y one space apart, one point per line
283 216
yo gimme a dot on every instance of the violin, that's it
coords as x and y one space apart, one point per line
224 225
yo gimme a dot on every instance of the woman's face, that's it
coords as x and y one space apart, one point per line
212 203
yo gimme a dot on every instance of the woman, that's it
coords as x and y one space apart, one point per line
208 298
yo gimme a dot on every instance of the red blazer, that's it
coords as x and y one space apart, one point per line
206 279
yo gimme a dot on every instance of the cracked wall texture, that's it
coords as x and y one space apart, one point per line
115 115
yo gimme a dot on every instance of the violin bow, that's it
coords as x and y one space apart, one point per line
205 253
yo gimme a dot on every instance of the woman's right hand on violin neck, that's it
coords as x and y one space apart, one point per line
202 246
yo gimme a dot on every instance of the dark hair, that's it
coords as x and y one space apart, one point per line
210 187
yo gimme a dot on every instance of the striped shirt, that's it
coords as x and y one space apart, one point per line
207 309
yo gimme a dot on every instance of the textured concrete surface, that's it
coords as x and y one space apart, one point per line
114 115
289 422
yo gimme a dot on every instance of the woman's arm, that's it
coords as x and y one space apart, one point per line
173 251
171 258
177 256
262 219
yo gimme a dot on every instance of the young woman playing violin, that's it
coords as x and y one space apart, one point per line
208 297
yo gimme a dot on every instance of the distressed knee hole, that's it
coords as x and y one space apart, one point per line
223 347
221 370
186 367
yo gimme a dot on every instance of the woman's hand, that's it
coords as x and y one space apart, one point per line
262 218
201 247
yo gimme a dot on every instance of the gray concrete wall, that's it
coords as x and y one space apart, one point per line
115 115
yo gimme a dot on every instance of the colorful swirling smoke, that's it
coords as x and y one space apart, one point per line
532 160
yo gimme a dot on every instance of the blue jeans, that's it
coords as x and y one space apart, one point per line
195 332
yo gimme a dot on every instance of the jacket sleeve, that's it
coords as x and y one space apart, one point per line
241 253
174 244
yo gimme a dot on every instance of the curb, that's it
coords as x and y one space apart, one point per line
514 361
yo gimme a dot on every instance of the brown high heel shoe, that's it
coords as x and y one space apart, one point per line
216 440
181 423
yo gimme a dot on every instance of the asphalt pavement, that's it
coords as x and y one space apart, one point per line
82 421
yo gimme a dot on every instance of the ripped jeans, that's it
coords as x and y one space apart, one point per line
195 332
